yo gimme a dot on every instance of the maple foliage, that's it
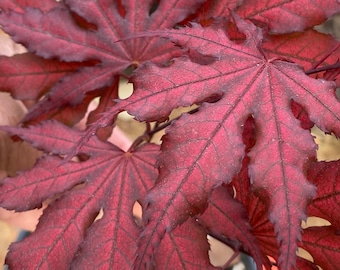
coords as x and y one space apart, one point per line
240 167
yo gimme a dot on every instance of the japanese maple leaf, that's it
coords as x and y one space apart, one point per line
302 49
249 84
222 220
28 77
262 230
285 16
321 242
186 247
20 5
109 180
55 33
326 176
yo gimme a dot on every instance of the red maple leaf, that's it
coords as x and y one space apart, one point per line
320 242
28 77
285 16
277 158
109 180
326 202
20 5
57 33
250 131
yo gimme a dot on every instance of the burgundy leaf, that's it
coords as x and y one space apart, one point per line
212 11
302 49
282 16
262 228
68 115
219 219
20 5
333 75
278 156
71 91
237 167
324 245
183 190
28 77
105 178
301 114
302 263
326 176
173 252
57 34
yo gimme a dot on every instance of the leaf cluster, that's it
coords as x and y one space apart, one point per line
240 167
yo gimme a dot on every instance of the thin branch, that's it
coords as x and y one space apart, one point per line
325 68
149 133
326 56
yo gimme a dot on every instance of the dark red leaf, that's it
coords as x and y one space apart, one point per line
250 132
107 100
20 5
222 218
333 75
71 91
324 245
173 252
28 77
302 49
262 228
212 11
56 34
105 177
326 176
68 115
266 91
302 263
282 16
301 114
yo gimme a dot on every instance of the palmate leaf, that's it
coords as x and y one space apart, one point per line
250 84
56 34
109 180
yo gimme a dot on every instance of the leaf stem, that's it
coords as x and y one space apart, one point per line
325 68
326 56
150 132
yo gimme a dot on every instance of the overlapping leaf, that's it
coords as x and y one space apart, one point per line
184 248
20 5
219 220
265 89
56 34
323 244
326 175
109 179
302 49
286 16
28 77
199 152
320 242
